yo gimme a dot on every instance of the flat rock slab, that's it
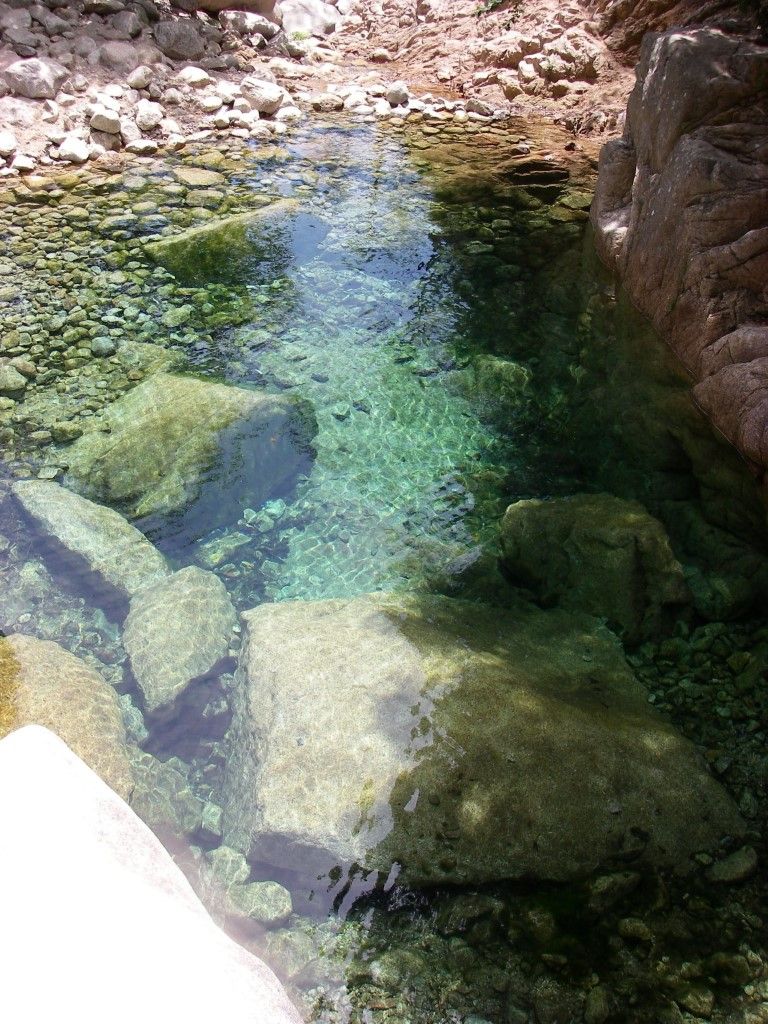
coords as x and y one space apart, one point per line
122 935
176 632
191 454
454 743
223 249
108 545
44 684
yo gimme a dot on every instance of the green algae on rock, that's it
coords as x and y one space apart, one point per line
598 554
192 449
98 536
222 249
454 742
49 686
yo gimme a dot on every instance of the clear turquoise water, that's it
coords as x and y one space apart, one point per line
358 313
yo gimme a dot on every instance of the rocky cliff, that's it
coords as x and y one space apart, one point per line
681 214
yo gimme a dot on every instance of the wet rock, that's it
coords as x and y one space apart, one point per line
221 249
737 867
43 684
459 742
311 16
35 78
179 40
177 631
98 536
266 902
192 454
11 381
163 796
112 895
599 554
227 867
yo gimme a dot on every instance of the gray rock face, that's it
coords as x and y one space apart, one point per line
179 40
112 895
691 167
100 537
193 451
451 742
43 684
176 631
598 554
35 78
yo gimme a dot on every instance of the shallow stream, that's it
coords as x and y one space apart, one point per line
434 297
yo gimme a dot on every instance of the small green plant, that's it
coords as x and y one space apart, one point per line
299 36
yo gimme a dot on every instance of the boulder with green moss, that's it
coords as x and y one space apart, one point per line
193 451
451 742
598 554
222 249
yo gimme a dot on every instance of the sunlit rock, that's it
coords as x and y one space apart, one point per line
598 554
447 741
43 684
98 538
114 907
193 450
222 249
177 631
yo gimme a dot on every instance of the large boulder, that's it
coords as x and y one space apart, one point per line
177 631
97 539
35 78
454 743
192 451
267 8
310 17
91 898
223 249
42 684
679 214
598 554
246 23
180 40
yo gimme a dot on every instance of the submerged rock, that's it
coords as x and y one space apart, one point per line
452 742
108 545
112 897
222 249
42 684
598 554
176 632
194 450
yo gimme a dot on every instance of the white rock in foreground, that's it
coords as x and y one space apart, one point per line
103 925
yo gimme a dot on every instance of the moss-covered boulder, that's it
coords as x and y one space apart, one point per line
193 450
453 742
598 554
222 249
43 684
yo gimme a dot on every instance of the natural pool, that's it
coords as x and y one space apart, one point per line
430 302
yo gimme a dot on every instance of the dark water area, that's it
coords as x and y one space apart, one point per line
426 309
